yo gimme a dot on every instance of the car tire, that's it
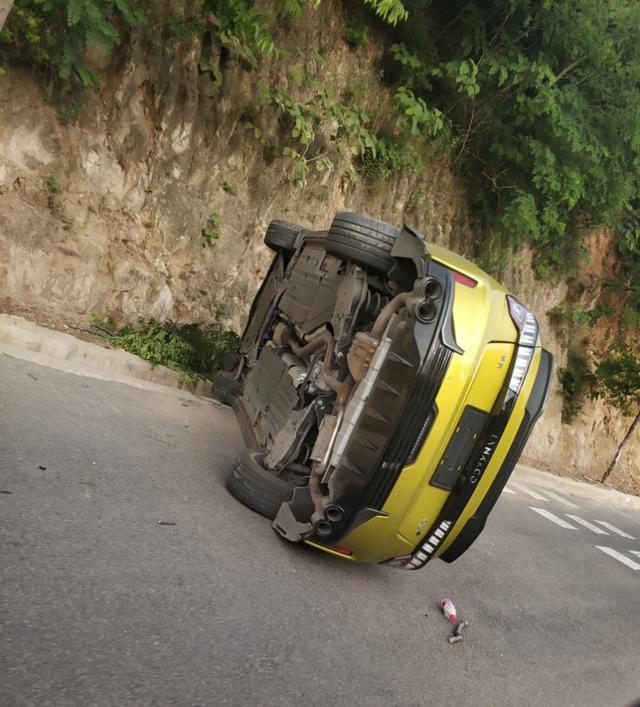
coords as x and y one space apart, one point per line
226 388
362 240
257 487
230 361
281 236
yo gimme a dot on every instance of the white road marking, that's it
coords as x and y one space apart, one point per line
586 524
553 518
533 494
615 530
560 499
635 552
507 491
620 557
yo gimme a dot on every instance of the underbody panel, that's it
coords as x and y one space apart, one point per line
393 403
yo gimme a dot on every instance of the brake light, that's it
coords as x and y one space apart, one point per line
341 550
464 280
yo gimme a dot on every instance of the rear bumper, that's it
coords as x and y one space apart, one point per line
447 538
459 521
533 409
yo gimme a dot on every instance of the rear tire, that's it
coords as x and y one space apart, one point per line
226 388
362 240
230 361
281 236
257 487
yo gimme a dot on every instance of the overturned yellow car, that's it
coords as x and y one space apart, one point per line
386 388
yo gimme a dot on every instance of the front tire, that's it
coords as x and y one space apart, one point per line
257 487
281 236
226 388
362 240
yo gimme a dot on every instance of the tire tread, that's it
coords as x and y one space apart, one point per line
361 239
256 487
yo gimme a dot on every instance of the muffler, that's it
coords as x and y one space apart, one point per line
321 526
334 513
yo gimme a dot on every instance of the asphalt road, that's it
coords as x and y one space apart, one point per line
101 605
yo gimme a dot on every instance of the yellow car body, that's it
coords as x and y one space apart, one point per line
493 385
481 319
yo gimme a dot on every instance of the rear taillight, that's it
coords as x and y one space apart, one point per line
527 327
342 550
464 280
525 322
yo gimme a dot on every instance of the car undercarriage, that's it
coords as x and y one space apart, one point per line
346 349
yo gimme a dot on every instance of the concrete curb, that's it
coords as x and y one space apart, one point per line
581 488
22 339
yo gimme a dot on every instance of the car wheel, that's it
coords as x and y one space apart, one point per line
362 240
225 387
281 236
257 487
230 361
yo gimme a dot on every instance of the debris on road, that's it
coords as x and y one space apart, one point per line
5 491
448 609
457 632
166 522
42 468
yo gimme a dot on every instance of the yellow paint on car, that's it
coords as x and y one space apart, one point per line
484 330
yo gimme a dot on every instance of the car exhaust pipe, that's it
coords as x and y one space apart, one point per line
321 526
432 288
324 509
324 339
426 311
399 301
334 514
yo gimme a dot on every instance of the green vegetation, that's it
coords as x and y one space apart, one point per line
194 350
230 188
627 232
616 378
536 104
327 131
53 192
570 319
575 380
53 35
211 230
356 34
541 100
346 125
618 375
